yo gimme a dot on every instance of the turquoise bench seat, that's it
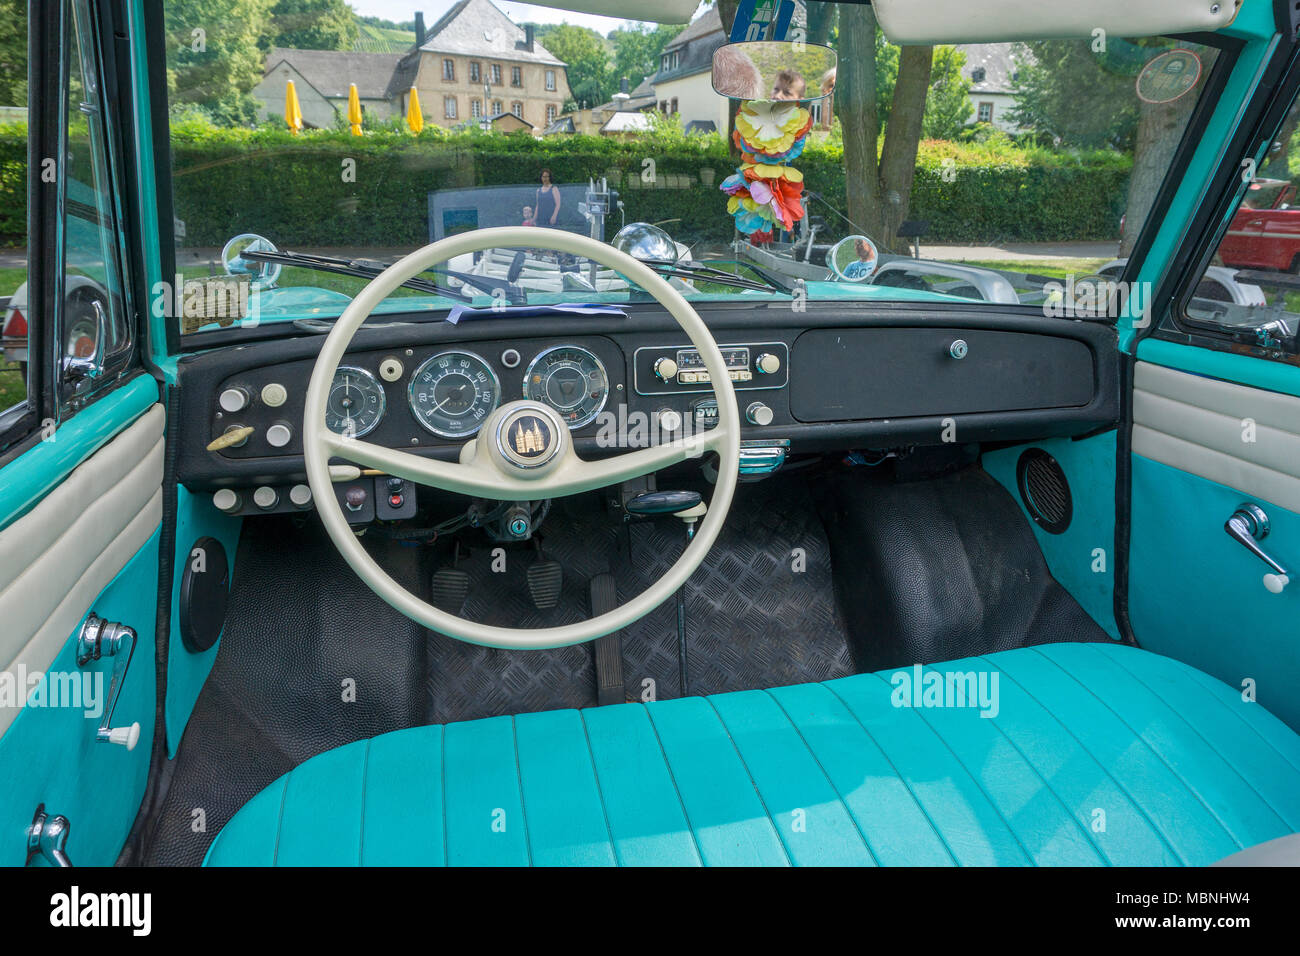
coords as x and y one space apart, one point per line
1091 754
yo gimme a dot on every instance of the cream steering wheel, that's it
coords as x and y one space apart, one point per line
523 451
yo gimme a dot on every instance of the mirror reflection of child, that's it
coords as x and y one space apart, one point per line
864 264
529 218
788 85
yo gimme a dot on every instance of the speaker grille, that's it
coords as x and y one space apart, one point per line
1044 490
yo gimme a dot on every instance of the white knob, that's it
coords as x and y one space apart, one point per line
226 500
665 369
390 369
670 420
759 414
1276 582
300 496
274 395
128 737
768 364
233 399
278 435
265 498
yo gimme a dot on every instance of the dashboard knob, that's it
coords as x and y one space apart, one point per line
300 496
355 498
390 369
233 400
758 414
768 364
279 435
274 395
266 498
670 420
226 500
665 369
958 349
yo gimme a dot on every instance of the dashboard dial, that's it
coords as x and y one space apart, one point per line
571 380
356 402
453 392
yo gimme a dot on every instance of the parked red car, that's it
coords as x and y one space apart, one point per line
1265 232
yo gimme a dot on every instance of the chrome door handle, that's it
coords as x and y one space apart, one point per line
101 638
48 837
1248 526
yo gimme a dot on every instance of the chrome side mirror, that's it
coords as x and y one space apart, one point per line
774 70
645 242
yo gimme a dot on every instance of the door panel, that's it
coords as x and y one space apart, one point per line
1201 448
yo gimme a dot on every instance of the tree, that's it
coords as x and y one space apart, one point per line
586 61
216 50
638 47
878 190
948 106
13 53
1066 90
314 25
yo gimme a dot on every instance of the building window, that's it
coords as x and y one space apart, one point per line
673 105
475 107
516 76
497 108
815 108
978 74
496 74
598 116
475 71
985 114
663 107
550 114
449 69
664 64
517 108
550 79
449 107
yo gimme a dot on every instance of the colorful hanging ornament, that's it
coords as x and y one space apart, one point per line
765 192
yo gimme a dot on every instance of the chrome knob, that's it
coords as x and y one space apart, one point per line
758 414
670 420
958 349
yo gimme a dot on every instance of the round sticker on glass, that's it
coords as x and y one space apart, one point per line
1167 77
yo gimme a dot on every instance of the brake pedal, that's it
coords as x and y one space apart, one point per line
609 649
450 586
545 580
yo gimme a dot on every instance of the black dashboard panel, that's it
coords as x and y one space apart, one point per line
1026 377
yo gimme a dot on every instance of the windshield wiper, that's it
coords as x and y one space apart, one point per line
709 274
357 268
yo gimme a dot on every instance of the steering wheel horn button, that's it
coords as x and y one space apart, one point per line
529 436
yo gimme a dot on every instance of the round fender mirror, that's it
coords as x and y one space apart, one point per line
854 258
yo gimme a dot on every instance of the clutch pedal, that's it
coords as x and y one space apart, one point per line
545 580
450 585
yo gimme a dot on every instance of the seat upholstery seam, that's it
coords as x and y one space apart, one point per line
780 837
844 803
681 800
988 798
1145 743
897 774
279 820
1155 828
600 792
1291 828
361 830
1196 676
519 782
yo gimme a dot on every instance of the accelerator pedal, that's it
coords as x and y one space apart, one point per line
609 649
545 580
450 586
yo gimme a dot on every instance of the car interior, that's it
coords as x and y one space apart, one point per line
587 546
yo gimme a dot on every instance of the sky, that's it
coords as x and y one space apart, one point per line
400 11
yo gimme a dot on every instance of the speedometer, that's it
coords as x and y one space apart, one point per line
453 392
356 402
571 380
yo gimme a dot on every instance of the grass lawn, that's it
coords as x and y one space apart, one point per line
1053 268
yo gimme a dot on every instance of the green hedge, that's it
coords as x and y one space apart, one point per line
292 188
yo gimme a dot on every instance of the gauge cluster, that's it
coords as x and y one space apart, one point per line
414 397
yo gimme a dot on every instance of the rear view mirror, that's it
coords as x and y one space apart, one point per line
773 70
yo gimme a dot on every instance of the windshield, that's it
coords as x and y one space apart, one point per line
1015 174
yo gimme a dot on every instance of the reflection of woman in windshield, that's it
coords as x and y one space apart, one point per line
547 207
865 263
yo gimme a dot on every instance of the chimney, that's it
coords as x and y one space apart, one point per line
621 97
528 37
623 87
419 29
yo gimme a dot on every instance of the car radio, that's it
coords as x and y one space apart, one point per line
673 370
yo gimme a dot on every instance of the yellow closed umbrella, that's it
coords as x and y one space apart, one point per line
292 111
354 109
414 118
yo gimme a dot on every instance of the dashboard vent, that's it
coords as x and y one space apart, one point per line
1044 490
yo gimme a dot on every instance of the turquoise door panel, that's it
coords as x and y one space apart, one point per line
1081 557
1197 595
1242 369
49 755
196 518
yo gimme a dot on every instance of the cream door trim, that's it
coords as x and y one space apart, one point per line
1200 425
57 558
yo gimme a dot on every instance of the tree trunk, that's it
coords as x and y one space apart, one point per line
855 104
821 17
1277 163
727 12
1160 127
902 137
